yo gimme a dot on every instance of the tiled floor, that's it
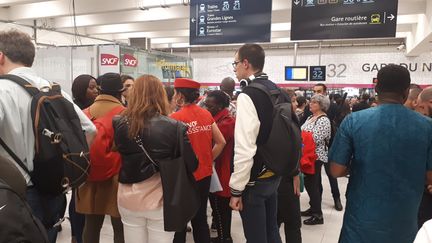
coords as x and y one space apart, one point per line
327 233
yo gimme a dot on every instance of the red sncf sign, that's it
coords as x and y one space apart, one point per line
130 61
109 60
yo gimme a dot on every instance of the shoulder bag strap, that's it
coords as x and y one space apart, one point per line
14 156
327 142
319 118
180 140
138 140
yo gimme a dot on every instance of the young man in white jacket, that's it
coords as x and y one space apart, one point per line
253 186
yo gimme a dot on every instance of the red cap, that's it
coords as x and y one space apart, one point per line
186 83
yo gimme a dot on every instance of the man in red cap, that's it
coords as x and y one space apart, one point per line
207 142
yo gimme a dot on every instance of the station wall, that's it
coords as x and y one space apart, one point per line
346 66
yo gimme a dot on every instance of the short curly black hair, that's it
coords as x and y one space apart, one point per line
220 98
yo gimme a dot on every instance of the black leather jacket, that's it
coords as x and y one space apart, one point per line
159 139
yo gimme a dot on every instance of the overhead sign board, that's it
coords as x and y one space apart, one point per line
296 73
343 19
229 21
317 73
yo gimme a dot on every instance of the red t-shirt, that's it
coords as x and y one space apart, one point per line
200 135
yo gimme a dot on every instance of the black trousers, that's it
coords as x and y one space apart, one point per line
289 211
313 185
201 232
221 216
425 209
333 182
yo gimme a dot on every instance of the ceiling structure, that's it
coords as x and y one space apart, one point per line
166 22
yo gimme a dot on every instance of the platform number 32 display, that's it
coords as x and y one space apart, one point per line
336 70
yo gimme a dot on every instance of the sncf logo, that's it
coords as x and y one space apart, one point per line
109 60
130 61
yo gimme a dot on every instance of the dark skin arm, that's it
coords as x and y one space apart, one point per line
338 170
429 177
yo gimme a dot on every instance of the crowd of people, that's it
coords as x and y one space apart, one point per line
159 155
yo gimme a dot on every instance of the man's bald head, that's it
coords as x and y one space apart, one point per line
424 101
414 92
228 85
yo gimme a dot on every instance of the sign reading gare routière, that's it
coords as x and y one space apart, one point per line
343 19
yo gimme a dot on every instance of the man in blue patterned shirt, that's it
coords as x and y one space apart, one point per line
388 152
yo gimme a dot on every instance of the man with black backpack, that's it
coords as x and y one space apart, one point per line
41 130
267 146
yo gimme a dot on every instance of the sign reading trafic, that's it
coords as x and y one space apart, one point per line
343 19
229 21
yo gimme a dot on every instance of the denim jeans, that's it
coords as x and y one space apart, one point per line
47 209
289 211
259 214
77 220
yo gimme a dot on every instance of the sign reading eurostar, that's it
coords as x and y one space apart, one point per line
343 19
229 21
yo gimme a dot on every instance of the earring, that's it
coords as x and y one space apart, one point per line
181 104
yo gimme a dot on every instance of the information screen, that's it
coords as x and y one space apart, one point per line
296 73
229 21
317 73
343 19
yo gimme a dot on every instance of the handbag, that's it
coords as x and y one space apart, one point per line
181 198
215 185
309 156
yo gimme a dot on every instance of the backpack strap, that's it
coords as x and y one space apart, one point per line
14 156
272 94
55 87
32 90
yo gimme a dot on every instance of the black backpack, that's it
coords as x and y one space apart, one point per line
282 151
17 223
61 152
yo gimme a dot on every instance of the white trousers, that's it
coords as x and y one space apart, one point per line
144 226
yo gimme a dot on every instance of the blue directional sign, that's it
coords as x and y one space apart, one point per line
229 21
343 19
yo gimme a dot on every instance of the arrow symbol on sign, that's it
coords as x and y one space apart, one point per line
391 17
193 20
296 2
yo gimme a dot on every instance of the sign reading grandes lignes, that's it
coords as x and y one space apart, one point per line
229 21
343 19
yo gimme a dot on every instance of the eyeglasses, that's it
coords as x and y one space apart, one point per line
234 64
